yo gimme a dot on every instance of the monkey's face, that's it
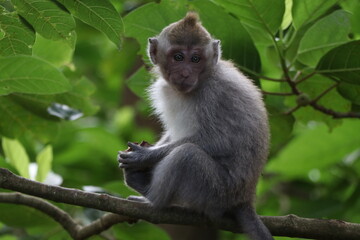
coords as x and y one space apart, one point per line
183 66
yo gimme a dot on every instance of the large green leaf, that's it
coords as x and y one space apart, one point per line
140 26
236 42
355 19
342 62
99 14
327 33
350 91
46 17
78 98
139 81
15 153
44 160
281 127
25 74
313 148
262 18
17 38
57 52
16 120
287 19
305 11
96 137
14 215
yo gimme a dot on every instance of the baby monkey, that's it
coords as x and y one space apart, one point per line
216 133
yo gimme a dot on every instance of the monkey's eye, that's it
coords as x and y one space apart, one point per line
195 59
178 57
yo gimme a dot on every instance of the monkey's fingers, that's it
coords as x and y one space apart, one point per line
123 155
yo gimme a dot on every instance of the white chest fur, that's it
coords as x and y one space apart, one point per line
174 109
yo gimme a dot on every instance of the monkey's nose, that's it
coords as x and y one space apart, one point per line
185 73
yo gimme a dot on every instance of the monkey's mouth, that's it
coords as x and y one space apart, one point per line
183 85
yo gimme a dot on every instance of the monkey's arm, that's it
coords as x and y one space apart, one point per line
165 138
144 157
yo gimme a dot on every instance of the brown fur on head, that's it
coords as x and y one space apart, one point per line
188 32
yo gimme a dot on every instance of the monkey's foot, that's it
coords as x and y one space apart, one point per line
138 199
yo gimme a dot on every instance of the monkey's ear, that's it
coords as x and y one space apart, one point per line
152 49
217 51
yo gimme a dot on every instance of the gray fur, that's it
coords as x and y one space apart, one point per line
225 118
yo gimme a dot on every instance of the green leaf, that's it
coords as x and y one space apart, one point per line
327 33
313 148
96 137
140 26
349 5
27 74
99 14
79 96
281 127
57 52
17 120
261 21
139 81
18 216
44 160
342 62
287 19
17 38
355 19
235 41
15 153
350 92
47 18
306 11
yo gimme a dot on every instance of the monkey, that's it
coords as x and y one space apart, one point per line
216 134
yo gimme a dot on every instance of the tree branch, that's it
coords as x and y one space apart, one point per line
75 230
290 225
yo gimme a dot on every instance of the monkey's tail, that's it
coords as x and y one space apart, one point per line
251 224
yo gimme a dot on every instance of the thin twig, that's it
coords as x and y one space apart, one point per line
304 78
292 110
333 113
324 93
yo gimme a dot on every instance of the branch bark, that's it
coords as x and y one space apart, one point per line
291 225
75 230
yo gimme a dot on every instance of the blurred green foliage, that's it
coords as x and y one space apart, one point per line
90 58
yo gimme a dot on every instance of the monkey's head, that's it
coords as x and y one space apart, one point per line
184 51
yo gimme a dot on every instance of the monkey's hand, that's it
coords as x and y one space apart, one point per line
137 156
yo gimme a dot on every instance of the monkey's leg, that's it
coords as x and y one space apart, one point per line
137 179
188 177
252 224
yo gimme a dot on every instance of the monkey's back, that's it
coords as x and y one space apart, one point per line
238 125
